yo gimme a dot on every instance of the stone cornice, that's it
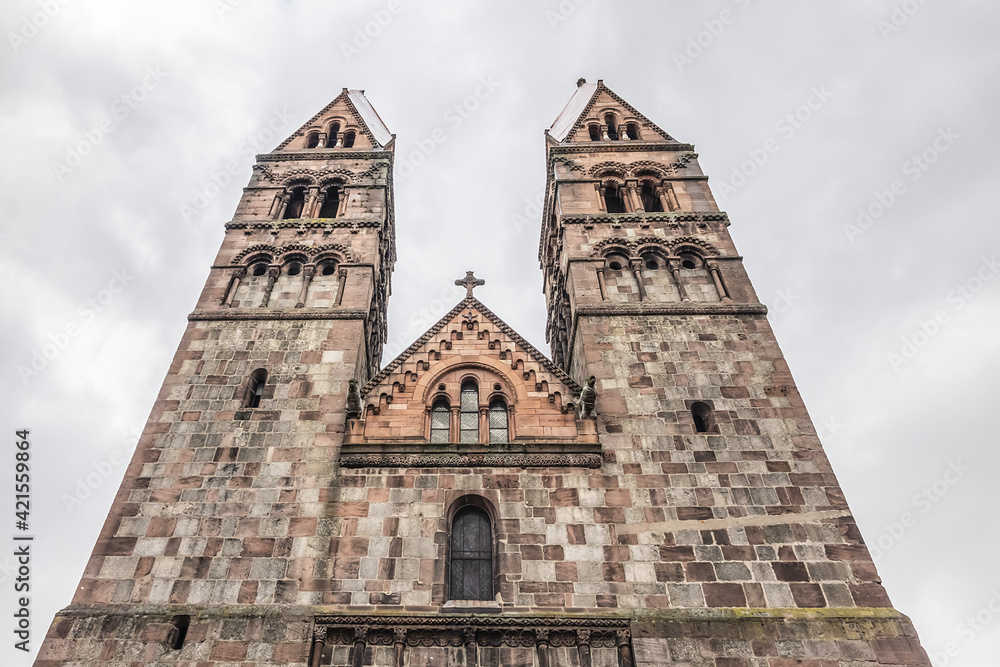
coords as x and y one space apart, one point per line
471 461
676 217
619 147
262 314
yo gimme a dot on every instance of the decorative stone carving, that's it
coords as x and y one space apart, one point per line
353 400
588 398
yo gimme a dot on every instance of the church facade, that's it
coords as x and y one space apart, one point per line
651 493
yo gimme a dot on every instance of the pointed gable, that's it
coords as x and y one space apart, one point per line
349 112
471 347
590 105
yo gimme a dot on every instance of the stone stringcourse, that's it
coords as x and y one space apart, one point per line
307 223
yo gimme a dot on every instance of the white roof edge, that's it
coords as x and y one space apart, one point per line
370 116
567 118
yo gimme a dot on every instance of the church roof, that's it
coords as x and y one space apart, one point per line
582 102
363 112
471 302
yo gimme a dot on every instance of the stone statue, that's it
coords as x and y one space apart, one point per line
588 398
353 400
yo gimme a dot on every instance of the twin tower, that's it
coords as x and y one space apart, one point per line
653 493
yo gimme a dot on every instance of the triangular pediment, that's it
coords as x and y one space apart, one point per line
470 343
590 105
350 111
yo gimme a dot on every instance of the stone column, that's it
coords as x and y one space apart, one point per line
664 201
600 196
322 140
672 196
342 204
307 208
272 275
277 206
675 271
624 649
484 424
604 133
637 272
399 644
318 644
283 199
342 279
307 276
453 433
340 140
627 198
360 643
602 284
583 647
720 286
542 646
234 284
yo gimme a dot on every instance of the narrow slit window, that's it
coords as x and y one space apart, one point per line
468 414
255 388
702 415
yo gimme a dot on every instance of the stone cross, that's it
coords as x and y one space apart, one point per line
470 282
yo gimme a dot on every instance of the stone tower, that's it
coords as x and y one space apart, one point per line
653 494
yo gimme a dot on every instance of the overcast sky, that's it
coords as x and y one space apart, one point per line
130 128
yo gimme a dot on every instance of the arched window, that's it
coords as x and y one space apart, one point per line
349 139
294 268
613 199
331 204
650 200
327 267
612 127
499 431
702 415
632 131
259 269
331 135
295 204
255 388
312 141
468 413
595 132
471 555
441 421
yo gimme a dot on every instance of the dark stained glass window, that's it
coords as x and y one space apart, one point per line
471 555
